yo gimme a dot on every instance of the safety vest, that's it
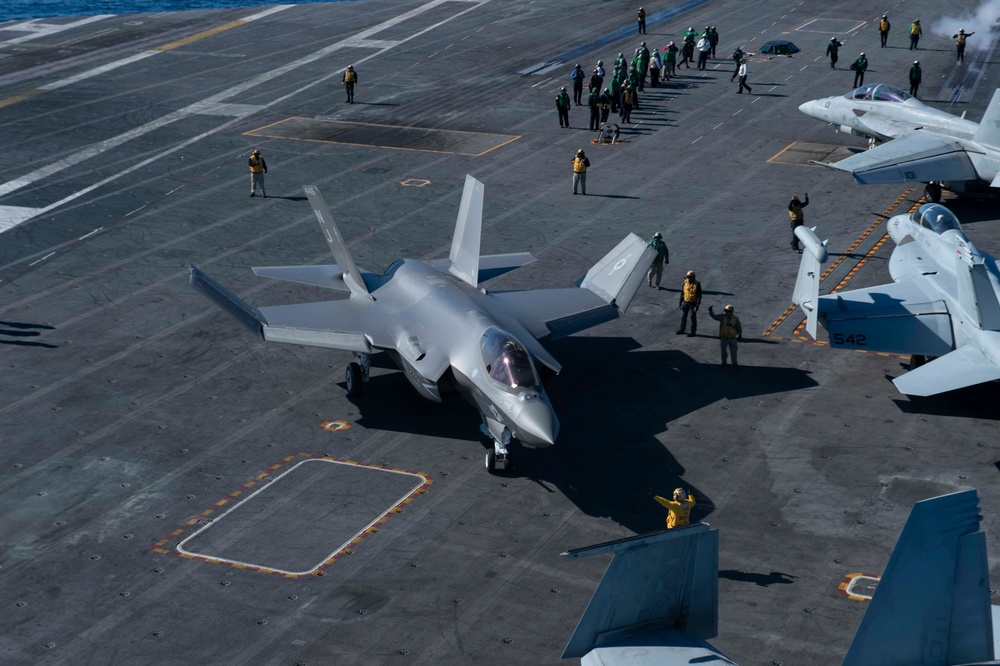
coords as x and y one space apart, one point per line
727 327
960 40
915 29
256 163
690 291
795 211
350 76
579 165
627 96
883 26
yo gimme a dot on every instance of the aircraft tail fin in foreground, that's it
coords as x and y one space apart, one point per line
806 294
465 243
932 604
351 275
657 603
976 295
989 128
233 305
617 276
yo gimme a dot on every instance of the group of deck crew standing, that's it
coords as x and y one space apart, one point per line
915 32
629 77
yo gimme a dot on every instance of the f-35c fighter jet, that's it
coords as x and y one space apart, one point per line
943 307
440 328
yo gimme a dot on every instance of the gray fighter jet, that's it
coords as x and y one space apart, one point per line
924 145
942 309
440 328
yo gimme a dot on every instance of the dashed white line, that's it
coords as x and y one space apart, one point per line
136 210
696 140
738 112
42 259
718 126
98 229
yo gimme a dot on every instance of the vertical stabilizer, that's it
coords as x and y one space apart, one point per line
806 294
660 582
932 605
976 295
352 276
988 133
468 230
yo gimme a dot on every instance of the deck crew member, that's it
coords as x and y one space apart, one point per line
258 167
689 303
730 332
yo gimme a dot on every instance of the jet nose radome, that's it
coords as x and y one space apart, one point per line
537 424
811 109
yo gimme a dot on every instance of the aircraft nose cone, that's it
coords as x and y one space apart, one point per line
537 424
809 108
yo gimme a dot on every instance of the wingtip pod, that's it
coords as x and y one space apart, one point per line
806 294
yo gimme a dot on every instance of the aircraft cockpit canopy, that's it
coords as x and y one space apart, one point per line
507 362
879 92
935 217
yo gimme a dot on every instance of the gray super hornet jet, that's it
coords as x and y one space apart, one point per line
440 328
942 308
912 142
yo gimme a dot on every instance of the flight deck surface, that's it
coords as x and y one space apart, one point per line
134 413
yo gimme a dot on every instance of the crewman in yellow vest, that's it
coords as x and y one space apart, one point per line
350 80
690 302
580 164
730 331
679 508
258 167
883 29
960 43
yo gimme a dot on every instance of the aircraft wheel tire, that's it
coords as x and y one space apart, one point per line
932 191
355 384
917 360
491 461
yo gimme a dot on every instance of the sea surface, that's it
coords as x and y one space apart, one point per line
32 9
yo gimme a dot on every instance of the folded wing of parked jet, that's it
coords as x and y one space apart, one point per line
606 291
919 157
966 366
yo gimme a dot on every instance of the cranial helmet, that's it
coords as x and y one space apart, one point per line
680 493
690 273
728 308
657 235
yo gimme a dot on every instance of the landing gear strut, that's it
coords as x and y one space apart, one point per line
497 458
357 374
932 191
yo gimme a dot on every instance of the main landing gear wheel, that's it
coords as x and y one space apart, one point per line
355 379
932 192
917 360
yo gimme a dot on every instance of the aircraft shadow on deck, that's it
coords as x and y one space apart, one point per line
973 402
17 333
613 400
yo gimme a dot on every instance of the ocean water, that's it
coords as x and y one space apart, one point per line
32 9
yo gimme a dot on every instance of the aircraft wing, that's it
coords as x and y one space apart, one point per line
899 318
554 313
966 366
919 157
349 324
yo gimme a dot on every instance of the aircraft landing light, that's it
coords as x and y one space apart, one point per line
859 586
335 426
302 520
432 140
800 153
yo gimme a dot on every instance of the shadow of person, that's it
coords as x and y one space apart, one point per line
763 580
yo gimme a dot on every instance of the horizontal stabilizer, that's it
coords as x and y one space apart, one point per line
490 265
617 276
988 133
806 294
657 585
227 301
920 157
351 275
966 366
932 605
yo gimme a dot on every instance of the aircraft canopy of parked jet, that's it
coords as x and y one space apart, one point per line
879 92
